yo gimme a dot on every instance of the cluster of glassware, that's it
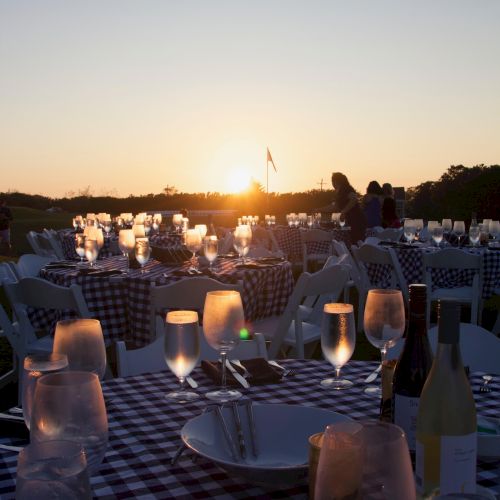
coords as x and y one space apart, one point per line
89 243
270 220
338 219
197 238
64 409
251 220
142 223
303 219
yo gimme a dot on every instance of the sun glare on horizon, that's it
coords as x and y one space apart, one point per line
238 180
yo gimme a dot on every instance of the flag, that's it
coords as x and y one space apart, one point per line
270 159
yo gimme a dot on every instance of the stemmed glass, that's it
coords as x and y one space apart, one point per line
310 221
182 350
341 220
437 234
222 321
459 229
193 244
34 367
447 225
474 235
211 249
70 406
80 246
82 341
338 339
126 243
242 239
384 322
409 230
91 251
177 222
142 252
107 226
494 229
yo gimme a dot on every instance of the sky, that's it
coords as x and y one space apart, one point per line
129 97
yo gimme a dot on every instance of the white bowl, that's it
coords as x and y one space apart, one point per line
282 440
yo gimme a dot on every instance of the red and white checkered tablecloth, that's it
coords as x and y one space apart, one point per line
144 433
121 302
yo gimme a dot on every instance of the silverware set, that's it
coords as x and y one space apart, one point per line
485 387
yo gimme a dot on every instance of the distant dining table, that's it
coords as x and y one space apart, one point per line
144 433
120 299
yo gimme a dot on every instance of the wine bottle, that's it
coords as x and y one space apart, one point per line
446 446
413 366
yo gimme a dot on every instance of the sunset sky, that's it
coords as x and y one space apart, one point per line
131 96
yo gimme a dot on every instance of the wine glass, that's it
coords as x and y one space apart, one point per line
147 227
202 228
177 222
494 229
459 229
419 225
222 321
34 367
242 239
310 221
82 341
447 225
182 350
474 234
80 246
142 252
193 244
70 406
126 243
107 226
91 251
341 220
338 339
409 230
384 322
52 469
211 248
437 234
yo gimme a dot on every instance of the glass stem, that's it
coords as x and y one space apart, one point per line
383 353
223 358
337 372
182 381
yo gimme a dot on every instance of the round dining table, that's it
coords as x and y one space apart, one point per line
119 298
145 428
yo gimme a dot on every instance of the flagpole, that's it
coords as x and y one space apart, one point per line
267 182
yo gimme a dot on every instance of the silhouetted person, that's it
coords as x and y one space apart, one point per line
389 214
372 204
5 220
346 202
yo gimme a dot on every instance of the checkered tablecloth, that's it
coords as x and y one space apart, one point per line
290 244
165 240
67 237
144 433
411 262
121 302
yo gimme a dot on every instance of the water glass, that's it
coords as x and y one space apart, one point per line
91 251
52 469
437 234
82 341
126 243
338 339
193 244
107 226
459 229
70 406
34 367
142 252
409 230
447 225
211 249
474 234
182 350
80 245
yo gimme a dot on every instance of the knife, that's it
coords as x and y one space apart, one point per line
373 374
236 375
192 383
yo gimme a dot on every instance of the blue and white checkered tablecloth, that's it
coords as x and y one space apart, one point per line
121 302
411 262
67 237
144 433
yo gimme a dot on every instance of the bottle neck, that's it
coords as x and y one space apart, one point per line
449 357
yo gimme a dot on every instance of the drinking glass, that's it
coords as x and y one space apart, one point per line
459 229
52 469
156 224
447 225
384 322
82 341
182 350
338 339
242 239
80 246
193 244
91 251
222 321
70 406
494 229
126 243
409 230
341 220
474 234
147 227
419 225
34 367
142 252
211 249
437 234
310 221
273 220
202 228
177 222
107 226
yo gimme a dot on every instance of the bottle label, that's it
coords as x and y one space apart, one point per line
447 463
405 415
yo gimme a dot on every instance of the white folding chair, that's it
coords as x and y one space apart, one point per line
29 265
290 329
151 359
390 234
310 237
454 259
54 242
7 331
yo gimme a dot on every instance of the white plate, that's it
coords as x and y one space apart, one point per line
282 440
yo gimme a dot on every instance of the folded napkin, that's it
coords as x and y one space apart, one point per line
261 372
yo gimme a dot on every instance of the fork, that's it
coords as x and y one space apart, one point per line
239 364
285 371
485 387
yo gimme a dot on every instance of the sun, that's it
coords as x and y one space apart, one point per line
238 180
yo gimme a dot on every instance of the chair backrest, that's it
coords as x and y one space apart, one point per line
33 241
188 293
42 294
42 245
309 237
54 242
151 358
327 284
8 273
479 347
367 255
29 264
8 331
